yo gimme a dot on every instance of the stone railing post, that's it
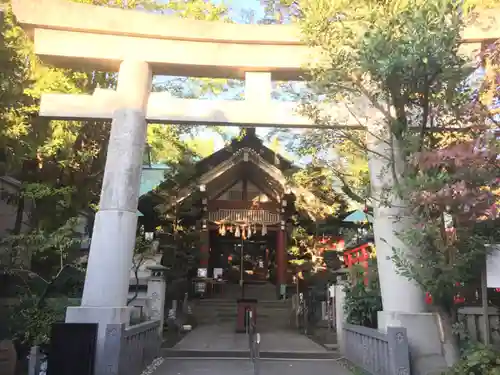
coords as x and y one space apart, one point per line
157 287
340 317
34 362
399 357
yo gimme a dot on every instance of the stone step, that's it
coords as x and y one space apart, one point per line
234 314
262 326
232 319
271 314
259 291
260 302
235 309
177 353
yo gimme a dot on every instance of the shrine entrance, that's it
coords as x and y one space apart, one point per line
251 260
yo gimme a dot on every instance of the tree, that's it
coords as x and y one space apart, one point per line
342 159
362 300
402 58
60 163
143 251
57 270
52 158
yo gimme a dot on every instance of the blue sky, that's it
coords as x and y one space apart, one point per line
238 6
236 9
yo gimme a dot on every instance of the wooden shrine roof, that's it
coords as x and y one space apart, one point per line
263 167
247 139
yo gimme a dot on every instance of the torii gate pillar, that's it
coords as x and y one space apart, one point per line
108 271
402 299
391 219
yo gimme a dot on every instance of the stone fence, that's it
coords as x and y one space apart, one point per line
377 353
473 319
130 350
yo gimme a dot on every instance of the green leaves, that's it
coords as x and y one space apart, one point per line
401 58
362 302
478 359
65 154
61 163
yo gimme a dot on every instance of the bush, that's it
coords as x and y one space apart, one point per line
362 302
30 324
477 360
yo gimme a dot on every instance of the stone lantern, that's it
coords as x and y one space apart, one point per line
156 292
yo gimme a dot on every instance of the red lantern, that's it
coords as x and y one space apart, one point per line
458 299
341 245
428 298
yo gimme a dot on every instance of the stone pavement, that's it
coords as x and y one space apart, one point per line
217 350
203 366
222 338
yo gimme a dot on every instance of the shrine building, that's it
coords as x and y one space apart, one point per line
241 201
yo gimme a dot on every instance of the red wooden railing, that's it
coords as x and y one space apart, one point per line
359 255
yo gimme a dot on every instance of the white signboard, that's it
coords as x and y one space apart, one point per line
493 268
331 291
202 273
218 273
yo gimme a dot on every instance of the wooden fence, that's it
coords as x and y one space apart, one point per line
377 353
473 320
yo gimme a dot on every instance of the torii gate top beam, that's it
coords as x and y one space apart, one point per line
76 35
73 35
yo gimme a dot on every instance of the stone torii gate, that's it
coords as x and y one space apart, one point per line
138 45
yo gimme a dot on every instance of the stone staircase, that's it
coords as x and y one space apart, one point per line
258 291
272 314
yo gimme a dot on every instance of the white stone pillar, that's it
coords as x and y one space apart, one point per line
110 259
340 317
113 239
258 87
157 287
399 294
402 300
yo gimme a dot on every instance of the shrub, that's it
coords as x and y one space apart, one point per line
362 302
30 323
477 360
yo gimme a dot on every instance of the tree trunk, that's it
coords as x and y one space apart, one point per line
136 292
18 224
451 349
23 260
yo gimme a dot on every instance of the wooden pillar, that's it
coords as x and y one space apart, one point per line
204 229
281 255
204 244
266 263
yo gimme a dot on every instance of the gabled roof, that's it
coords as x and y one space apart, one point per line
248 158
153 175
249 162
275 175
248 139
